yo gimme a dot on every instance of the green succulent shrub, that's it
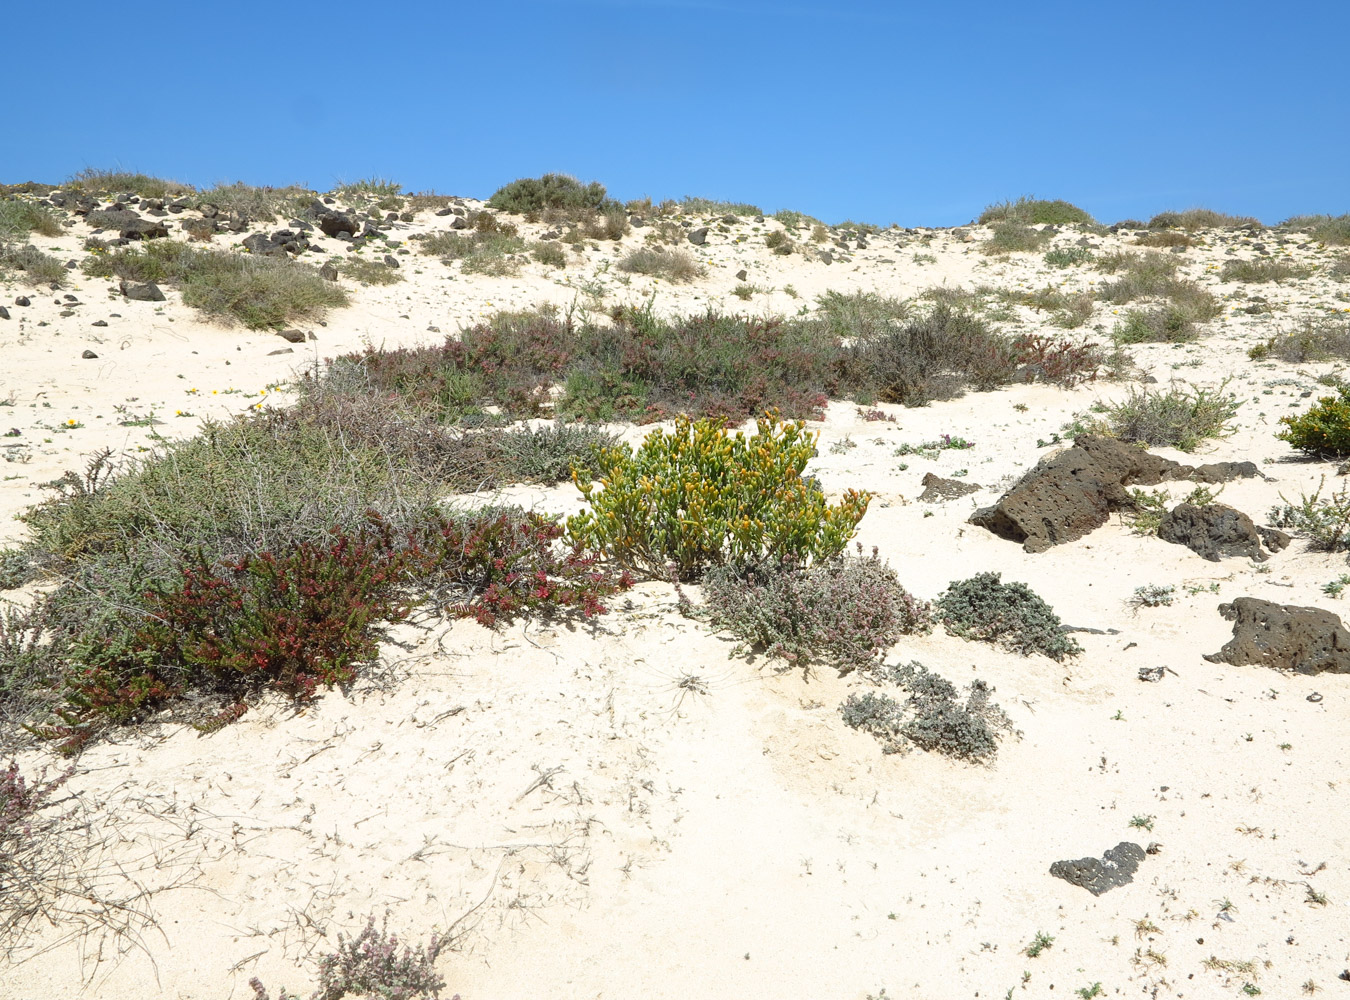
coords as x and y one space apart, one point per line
697 497
1009 614
1323 430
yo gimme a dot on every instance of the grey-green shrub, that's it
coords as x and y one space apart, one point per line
1177 417
1034 211
845 612
1011 615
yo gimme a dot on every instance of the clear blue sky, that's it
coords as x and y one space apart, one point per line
917 113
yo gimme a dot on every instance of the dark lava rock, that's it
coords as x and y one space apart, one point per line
329 271
262 245
699 236
89 355
741 275
149 292
1216 530
459 222
282 350
99 322
22 300
936 489
1073 492
4 313
390 260
335 223
443 212
1283 636
1098 875
112 218
826 257
292 336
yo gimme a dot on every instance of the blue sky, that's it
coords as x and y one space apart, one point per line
917 113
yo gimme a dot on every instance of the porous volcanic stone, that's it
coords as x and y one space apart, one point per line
936 489
1071 493
1098 875
1216 530
1284 636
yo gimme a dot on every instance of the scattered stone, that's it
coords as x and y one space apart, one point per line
699 236
390 260
99 322
338 225
329 271
1073 492
1216 530
1152 674
1315 697
149 292
144 229
4 313
937 490
1285 637
292 336
1098 875
742 274
89 355
826 257
22 300
283 350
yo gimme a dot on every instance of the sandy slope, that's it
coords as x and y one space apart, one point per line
585 826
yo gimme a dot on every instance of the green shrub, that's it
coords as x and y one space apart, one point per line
1165 238
931 717
259 292
125 182
36 267
1200 218
549 454
711 206
368 272
369 187
673 265
1014 237
779 242
1316 340
1068 256
697 497
558 191
1165 324
843 612
259 203
490 250
1177 418
790 219
1330 229
859 316
1325 522
19 218
1261 270
1009 614
1324 429
934 356
16 568
550 254
1034 212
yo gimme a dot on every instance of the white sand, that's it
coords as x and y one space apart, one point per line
741 842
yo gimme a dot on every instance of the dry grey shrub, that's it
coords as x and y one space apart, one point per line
931 718
844 613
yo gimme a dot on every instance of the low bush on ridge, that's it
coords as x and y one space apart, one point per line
19 217
844 612
259 292
1034 212
697 497
558 191
35 267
